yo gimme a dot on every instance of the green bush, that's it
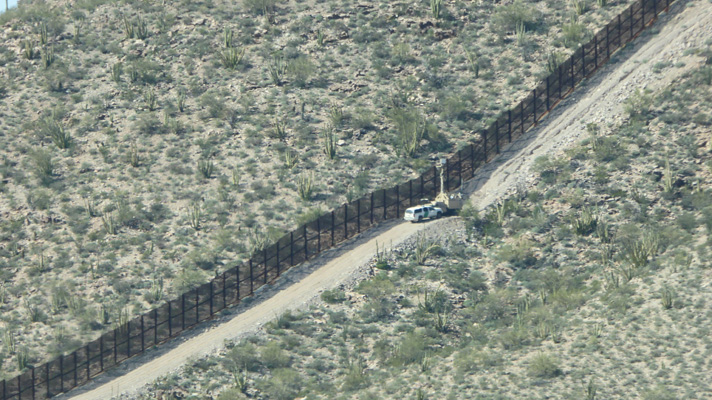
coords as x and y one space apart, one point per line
411 349
242 356
273 357
573 33
262 7
544 366
284 384
508 17
301 70
378 287
333 296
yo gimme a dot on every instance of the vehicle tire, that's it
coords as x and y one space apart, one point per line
438 215
419 219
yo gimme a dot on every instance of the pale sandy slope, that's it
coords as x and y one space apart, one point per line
687 26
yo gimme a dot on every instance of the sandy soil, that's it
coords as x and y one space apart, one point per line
599 100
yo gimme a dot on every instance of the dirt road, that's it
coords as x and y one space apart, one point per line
599 100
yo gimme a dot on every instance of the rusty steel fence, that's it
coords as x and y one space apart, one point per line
227 289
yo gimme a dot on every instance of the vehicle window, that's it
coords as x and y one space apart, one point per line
418 210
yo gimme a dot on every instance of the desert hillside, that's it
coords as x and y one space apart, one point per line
147 145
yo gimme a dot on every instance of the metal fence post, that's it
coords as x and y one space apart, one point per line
583 62
484 143
547 94
318 227
237 285
496 139
346 221
224 284
655 8
211 297
573 72
358 216
642 14
86 348
521 117
472 159
155 326
49 392
509 125
197 300
631 22
397 201
332 228
74 355
128 339
595 49
459 166
116 349
264 254
101 359
371 208
170 320
277 255
182 311
61 369
608 41
410 193
306 243
447 176
143 340
534 105
252 279
33 376
385 206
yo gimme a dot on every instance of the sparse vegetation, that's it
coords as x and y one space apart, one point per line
159 143
597 294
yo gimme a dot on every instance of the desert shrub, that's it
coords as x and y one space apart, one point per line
659 392
147 72
333 296
377 310
638 105
301 70
544 366
573 33
149 124
514 338
519 254
262 7
232 394
508 17
471 359
284 384
411 349
274 357
549 169
464 279
43 166
355 377
242 356
378 287
494 306
687 221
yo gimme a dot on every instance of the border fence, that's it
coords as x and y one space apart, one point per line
229 288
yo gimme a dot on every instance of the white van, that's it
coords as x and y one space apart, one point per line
418 213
